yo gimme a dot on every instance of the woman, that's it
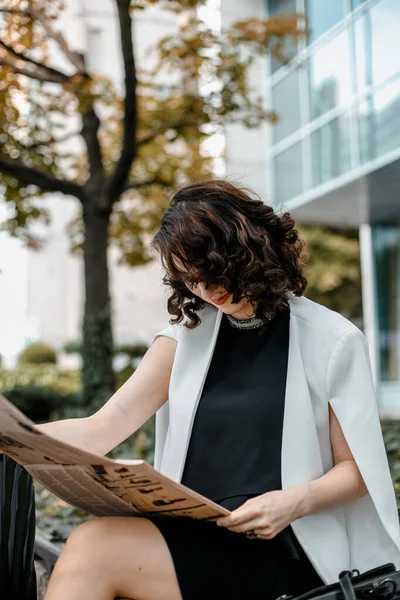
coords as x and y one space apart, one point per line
271 413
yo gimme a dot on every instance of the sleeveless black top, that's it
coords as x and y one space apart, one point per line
235 447
236 440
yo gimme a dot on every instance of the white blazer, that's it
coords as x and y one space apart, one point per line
328 363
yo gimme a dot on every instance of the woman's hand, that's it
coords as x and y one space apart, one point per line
268 514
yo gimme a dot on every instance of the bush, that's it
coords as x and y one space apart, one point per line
39 390
123 375
391 436
38 403
73 347
139 445
37 354
132 350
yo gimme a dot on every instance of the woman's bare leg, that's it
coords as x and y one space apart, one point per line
113 557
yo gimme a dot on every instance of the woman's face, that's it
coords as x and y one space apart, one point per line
219 297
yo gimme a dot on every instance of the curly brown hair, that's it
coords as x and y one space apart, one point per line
221 235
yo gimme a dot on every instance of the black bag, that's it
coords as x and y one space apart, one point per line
382 583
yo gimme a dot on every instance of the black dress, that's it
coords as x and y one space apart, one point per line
235 454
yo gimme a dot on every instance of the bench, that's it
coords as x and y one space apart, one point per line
17 532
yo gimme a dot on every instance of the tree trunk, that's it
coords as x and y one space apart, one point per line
97 351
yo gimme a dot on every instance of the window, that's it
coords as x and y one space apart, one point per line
331 150
283 7
286 103
355 3
323 15
376 40
288 170
329 76
379 122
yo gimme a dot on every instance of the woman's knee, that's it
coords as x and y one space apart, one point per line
126 554
97 537
86 544
87 534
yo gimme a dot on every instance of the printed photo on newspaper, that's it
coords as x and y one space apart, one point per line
97 484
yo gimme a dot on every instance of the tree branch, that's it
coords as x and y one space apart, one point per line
28 73
32 176
147 139
51 141
90 129
39 65
128 152
74 57
168 125
139 184
13 11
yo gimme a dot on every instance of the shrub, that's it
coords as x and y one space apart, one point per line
38 403
72 347
138 445
123 375
38 354
132 350
39 390
391 436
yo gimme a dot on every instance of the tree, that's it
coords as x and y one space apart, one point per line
136 149
333 269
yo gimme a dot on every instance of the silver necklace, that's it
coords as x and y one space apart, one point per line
252 323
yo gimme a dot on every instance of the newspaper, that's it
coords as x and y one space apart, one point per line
99 485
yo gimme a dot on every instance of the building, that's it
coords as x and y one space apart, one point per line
334 156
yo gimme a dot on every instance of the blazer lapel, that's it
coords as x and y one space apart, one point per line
186 386
299 440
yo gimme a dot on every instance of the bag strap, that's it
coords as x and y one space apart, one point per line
346 586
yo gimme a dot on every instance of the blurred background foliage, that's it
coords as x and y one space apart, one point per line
37 354
333 269
44 392
137 145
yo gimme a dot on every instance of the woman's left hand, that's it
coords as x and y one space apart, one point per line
268 514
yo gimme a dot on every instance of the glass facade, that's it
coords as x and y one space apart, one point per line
288 166
339 112
379 121
286 100
283 7
376 34
323 15
331 150
343 95
330 76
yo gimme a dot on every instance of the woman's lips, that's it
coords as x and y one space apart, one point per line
220 300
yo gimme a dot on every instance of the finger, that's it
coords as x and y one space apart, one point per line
248 526
262 535
238 517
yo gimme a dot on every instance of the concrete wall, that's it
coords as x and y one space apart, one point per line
247 149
